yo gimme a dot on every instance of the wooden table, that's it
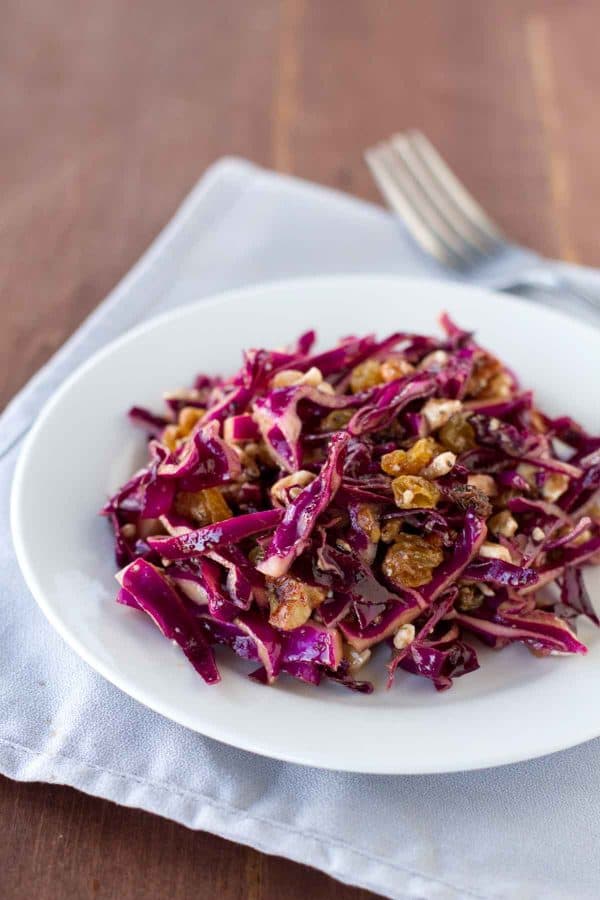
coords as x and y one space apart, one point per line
109 112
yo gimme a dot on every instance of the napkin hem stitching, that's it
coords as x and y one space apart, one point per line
231 808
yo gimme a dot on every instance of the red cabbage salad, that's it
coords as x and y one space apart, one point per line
405 492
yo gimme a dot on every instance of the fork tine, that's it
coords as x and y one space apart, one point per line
477 242
396 199
405 196
460 195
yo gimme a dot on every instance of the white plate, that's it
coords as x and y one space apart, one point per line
515 707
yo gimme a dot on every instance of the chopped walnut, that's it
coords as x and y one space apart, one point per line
148 527
438 412
440 466
528 472
504 524
288 487
435 360
356 659
395 367
485 369
554 486
336 419
292 601
404 636
292 377
469 598
484 483
500 386
495 551
457 434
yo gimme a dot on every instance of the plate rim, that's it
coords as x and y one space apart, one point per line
236 738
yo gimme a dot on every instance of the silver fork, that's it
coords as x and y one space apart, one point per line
449 224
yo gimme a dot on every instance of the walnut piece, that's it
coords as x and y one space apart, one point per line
292 601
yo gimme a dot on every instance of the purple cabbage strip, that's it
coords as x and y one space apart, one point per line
389 400
293 532
154 425
313 643
453 379
499 573
466 548
155 596
280 424
574 594
387 623
440 663
240 428
206 458
542 630
202 540
209 592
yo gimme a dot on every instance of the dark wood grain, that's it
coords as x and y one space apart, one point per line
109 112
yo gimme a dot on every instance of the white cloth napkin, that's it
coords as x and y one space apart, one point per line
524 831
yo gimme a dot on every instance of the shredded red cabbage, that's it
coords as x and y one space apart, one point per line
405 494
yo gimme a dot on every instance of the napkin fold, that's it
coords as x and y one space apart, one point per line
523 831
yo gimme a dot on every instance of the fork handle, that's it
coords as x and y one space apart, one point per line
556 282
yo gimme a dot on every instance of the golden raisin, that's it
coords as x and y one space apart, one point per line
412 492
188 418
170 436
390 531
409 462
366 375
204 507
411 560
457 434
